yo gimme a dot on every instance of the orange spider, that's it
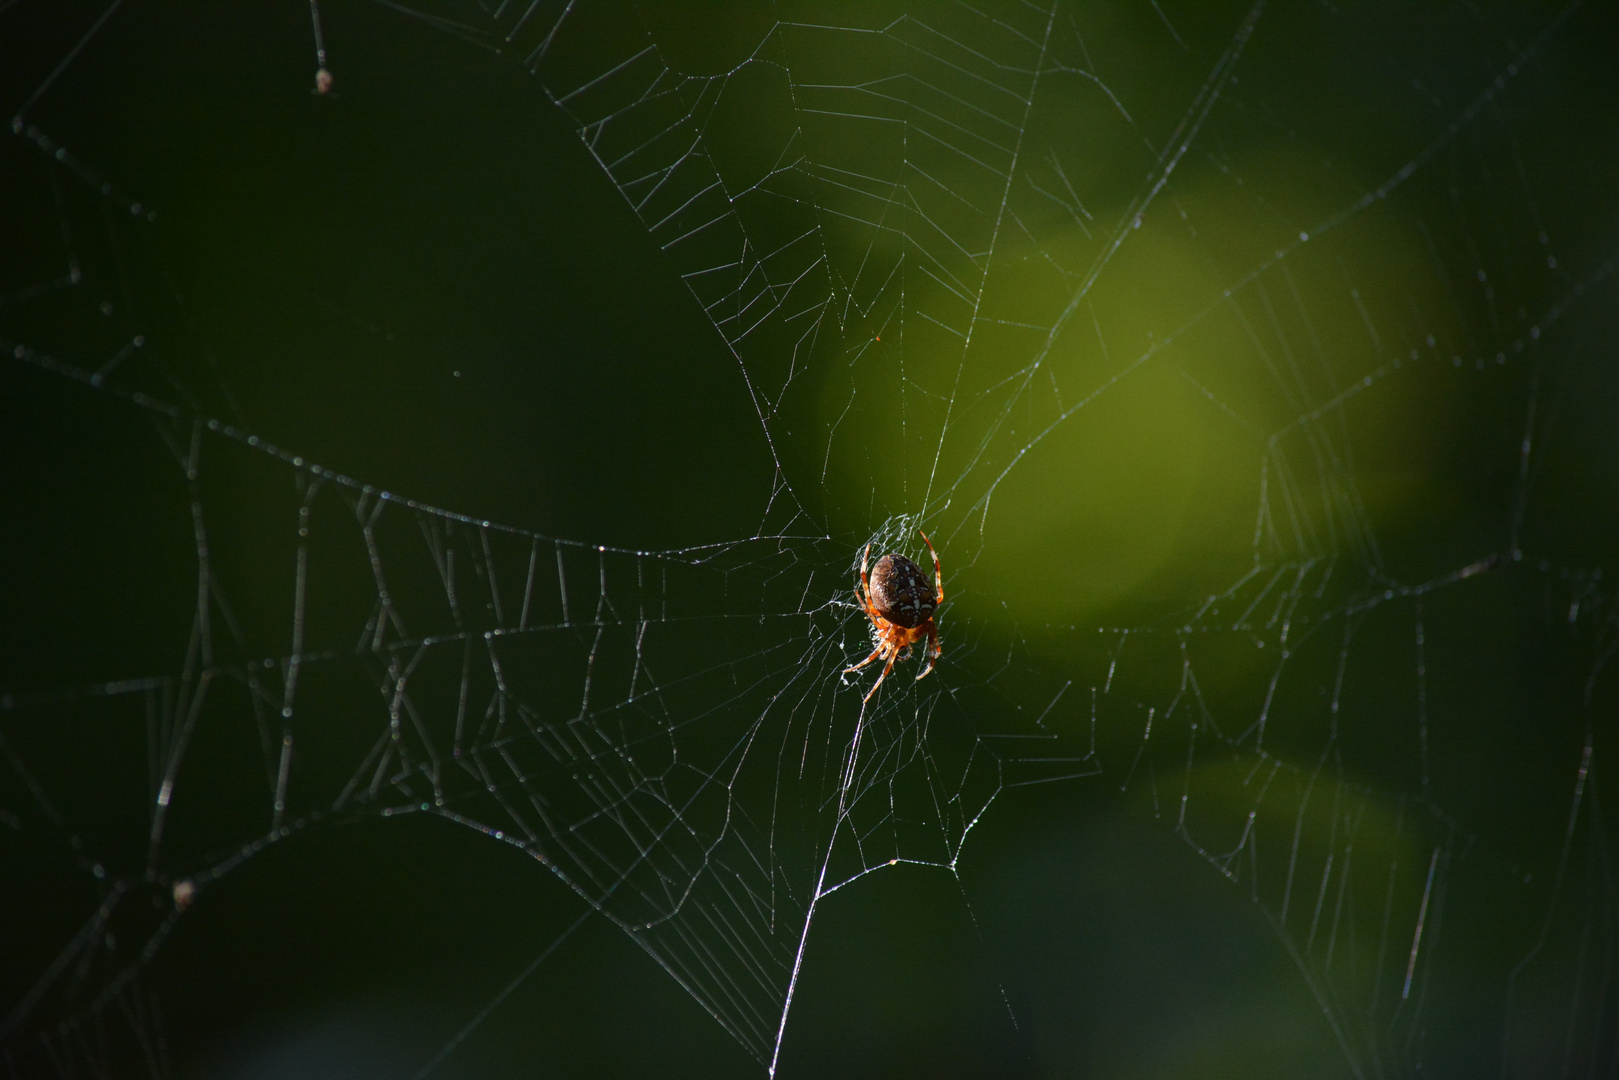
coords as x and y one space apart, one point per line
900 605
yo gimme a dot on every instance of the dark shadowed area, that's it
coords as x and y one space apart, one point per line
433 494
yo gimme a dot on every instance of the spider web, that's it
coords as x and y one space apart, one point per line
1246 366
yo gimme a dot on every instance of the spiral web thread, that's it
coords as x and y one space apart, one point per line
671 733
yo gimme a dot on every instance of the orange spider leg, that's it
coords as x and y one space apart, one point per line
883 644
892 641
865 602
875 653
938 587
886 669
865 582
934 648
938 575
864 596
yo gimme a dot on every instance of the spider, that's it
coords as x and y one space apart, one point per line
900 605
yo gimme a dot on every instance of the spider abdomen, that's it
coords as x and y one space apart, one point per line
901 593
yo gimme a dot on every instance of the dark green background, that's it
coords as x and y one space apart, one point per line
425 283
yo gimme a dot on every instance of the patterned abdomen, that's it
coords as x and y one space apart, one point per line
901 592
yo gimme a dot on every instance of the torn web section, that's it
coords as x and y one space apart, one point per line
464 711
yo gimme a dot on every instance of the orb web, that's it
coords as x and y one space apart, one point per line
1246 366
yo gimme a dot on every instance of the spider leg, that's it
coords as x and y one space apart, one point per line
938 576
865 583
863 592
933 648
880 678
875 653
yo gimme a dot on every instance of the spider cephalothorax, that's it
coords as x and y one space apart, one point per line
900 603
